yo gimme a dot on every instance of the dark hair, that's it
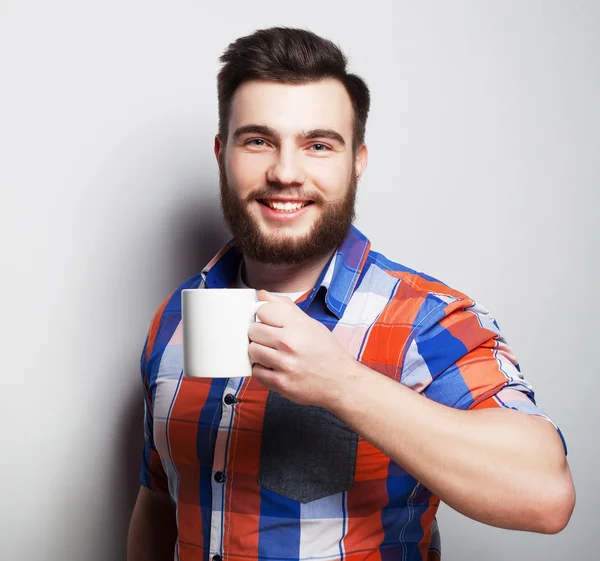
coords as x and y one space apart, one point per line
291 56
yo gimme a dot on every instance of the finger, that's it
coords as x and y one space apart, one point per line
265 376
263 355
269 297
264 334
278 313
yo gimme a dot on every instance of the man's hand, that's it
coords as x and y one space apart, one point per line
295 355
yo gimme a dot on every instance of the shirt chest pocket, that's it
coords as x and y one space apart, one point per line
306 452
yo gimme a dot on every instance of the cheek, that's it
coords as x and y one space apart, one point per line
246 171
331 178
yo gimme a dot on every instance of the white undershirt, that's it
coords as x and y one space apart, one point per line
292 295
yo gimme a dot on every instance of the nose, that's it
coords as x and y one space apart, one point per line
286 168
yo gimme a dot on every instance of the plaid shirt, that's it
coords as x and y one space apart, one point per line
245 490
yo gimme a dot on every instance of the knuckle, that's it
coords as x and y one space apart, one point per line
285 343
283 383
288 341
288 363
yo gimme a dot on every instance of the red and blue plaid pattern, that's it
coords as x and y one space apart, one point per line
203 436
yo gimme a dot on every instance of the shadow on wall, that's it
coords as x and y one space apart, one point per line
198 233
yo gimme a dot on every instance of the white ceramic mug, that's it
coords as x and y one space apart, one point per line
215 331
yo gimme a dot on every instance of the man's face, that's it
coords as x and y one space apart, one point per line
288 173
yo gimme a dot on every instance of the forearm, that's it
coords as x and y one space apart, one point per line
153 530
500 467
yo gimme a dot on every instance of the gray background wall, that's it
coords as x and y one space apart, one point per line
484 172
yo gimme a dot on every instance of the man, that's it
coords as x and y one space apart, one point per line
376 392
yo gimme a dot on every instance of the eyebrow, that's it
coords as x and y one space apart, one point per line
304 135
322 133
256 129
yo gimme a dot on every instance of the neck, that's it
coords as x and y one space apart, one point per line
284 278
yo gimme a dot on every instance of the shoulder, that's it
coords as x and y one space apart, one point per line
418 281
442 321
168 314
172 303
426 298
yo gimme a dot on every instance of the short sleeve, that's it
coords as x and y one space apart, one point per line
459 358
152 474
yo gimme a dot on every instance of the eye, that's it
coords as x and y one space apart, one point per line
318 147
259 142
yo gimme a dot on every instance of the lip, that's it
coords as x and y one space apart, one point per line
279 216
286 200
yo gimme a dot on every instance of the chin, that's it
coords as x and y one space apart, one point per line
291 232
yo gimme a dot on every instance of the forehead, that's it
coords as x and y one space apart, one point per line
289 108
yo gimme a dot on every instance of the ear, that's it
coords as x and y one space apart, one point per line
218 148
361 158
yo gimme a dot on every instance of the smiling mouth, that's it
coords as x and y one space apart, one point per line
284 206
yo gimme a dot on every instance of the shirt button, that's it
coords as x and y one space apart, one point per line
229 399
216 558
219 478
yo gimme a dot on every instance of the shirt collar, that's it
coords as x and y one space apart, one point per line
338 278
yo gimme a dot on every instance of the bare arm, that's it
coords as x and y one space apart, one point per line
153 530
497 466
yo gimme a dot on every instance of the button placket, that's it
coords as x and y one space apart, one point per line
219 467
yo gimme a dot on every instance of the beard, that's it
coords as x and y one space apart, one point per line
325 235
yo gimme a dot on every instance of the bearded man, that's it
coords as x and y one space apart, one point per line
376 391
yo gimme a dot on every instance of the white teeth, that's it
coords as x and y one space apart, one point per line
286 207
